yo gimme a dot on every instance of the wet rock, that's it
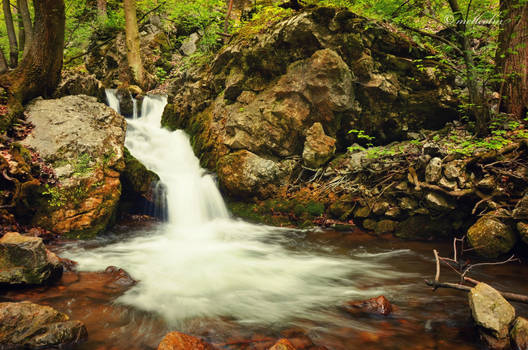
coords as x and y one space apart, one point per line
180 341
519 334
119 278
492 314
126 104
521 209
522 227
137 179
283 344
490 237
379 306
433 171
439 202
385 226
25 260
82 140
188 46
318 147
27 325
393 212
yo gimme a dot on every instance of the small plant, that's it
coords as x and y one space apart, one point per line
82 165
56 199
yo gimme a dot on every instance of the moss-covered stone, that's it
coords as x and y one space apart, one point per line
136 178
490 237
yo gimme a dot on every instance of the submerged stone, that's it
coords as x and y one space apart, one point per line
180 341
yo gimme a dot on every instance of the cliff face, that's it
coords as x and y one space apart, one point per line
250 111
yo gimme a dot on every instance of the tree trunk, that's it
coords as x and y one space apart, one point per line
132 42
39 72
21 33
13 45
512 57
478 107
101 8
23 11
3 62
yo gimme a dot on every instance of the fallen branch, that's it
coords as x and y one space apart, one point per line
509 296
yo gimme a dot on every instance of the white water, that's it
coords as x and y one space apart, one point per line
203 263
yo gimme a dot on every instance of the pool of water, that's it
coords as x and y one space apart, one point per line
422 319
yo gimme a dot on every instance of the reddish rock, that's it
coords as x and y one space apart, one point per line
180 341
119 278
283 344
379 305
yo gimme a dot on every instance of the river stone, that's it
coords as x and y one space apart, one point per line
407 203
369 224
490 237
283 344
490 311
27 325
318 147
433 170
521 209
385 226
82 140
180 341
522 227
519 334
25 260
452 170
423 227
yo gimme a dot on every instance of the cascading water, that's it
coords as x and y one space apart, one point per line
203 263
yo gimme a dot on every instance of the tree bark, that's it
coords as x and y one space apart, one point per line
512 57
13 45
132 42
39 72
478 107
23 11
3 62
101 8
21 33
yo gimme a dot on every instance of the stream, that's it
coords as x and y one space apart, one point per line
241 285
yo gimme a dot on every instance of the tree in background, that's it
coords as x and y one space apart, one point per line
101 8
38 74
132 42
25 25
512 57
11 34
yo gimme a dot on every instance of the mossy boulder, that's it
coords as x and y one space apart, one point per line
136 178
491 237
25 260
82 141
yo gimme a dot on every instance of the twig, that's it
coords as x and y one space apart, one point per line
509 296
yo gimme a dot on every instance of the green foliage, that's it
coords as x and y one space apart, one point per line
82 165
55 197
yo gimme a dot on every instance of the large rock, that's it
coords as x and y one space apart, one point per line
26 325
318 147
82 140
80 83
492 313
180 341
244 174
137 179
519 334
261 94
25 260
490 237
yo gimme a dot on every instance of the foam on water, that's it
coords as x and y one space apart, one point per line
204 263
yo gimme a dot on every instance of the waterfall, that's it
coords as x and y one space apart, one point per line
202 262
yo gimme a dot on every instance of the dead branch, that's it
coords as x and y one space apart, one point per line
509 296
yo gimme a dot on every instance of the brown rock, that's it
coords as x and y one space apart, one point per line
318 147
180 341
379 305
519 334
26 325
283 344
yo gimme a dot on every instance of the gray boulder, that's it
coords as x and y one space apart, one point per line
26 325
492 314
188 46
25 260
